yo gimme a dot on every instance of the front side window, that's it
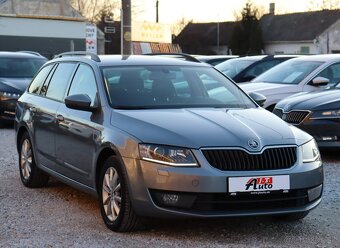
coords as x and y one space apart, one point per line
57 87
20 67
288 72
261 67
84 82
171 87
332 73
39 79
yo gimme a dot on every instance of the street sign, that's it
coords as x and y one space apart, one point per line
109 30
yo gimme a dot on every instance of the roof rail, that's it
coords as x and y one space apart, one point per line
93 56
184 56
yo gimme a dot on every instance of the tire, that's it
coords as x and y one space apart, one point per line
115 205
31 176
293 217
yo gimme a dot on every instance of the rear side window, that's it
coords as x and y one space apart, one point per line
57 87
39 79
84 82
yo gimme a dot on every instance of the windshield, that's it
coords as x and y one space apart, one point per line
289 72
138 87
20 67
232 67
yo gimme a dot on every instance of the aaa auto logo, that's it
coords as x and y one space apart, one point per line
258 183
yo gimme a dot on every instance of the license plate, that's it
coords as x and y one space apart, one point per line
258 183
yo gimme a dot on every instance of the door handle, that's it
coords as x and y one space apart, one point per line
33 109
60 118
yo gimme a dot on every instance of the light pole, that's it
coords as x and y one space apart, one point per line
157 5
126 47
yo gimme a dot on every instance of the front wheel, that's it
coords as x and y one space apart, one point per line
114 198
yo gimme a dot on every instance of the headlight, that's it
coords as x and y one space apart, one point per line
326 114
7 95
167 155
310 152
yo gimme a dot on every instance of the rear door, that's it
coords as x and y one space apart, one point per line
78 131
45 107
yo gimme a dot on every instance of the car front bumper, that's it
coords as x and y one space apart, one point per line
202 191
325 131
7 109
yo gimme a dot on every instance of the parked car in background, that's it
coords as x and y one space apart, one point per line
214 59
244 69
16 72
161 137
317 113
304 74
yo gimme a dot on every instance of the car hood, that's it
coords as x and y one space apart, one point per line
327 99
196 128
14 85
268 88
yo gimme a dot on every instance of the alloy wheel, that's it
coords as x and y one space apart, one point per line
111 194
26 158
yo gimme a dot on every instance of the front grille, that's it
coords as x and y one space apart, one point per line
292 117
295 117
239 160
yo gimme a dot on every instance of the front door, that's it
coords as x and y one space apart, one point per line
78 131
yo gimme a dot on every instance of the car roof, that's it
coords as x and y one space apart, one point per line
320 58
201 57
133 60
20 55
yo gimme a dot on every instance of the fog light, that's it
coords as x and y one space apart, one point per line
329 138
314 193
173 199
170 199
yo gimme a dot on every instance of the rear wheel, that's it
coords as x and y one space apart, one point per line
114 198
30 175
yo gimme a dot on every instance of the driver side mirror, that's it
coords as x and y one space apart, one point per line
80 102
258 98
320 81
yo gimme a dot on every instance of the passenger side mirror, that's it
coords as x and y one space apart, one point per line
320 81
79 102
258 98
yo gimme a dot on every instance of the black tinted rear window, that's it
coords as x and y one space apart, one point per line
20 67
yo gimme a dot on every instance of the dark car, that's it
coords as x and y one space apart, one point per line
161 137
245 69
214 59
317 113
16 72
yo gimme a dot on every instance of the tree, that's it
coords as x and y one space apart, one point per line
246 38
179 25
92 9
314 5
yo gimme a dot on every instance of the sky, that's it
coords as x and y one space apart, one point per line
170 11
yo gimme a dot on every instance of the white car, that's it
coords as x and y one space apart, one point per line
303 74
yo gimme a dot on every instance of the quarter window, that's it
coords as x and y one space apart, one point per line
59 82
84 82
39 79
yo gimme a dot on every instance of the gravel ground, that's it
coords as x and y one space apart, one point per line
60 216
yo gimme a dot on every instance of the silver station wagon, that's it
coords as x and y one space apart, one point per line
160 137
